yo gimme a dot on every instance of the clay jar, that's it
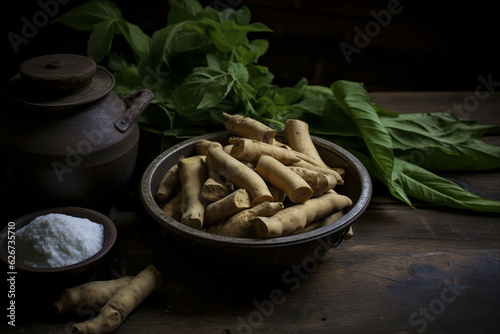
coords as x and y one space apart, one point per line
65 137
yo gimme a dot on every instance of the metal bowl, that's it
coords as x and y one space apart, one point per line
249 255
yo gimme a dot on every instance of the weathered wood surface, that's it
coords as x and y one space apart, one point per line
429 270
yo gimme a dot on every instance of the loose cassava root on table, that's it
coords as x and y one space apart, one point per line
93 294
120 297
254 186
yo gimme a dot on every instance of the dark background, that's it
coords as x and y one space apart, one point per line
429 46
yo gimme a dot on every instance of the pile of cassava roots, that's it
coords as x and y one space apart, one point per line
254 186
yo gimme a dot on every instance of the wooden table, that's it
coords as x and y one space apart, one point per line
429 270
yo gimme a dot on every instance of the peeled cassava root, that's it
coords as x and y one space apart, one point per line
297 136
119 296
249 150
192 174
93 294
239 174
228 206
286 180
241 225
247 127
254 186
294 219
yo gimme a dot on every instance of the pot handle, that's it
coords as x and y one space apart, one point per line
136 103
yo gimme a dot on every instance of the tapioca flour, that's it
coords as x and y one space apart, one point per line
57 240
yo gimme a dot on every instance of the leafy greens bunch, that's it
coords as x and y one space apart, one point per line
202 63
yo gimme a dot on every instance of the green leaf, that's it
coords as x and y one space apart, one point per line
382 112
136 38
425 130
428 187
244 93
117 61
99 17
204 88
157 118
247 53
286 96
355 101
239 72
322 111
182 10
126 80
87 16
227 35
100 40
104 20
259 76
473 155
441 142
241 16
175 39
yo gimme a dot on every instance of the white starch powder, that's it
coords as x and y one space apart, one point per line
57 240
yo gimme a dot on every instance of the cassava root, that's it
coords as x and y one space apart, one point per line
94 294
239 174
123 296
192 173
293 219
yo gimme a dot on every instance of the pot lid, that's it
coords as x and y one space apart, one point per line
60 80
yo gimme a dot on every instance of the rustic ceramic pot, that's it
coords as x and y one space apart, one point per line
65 137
